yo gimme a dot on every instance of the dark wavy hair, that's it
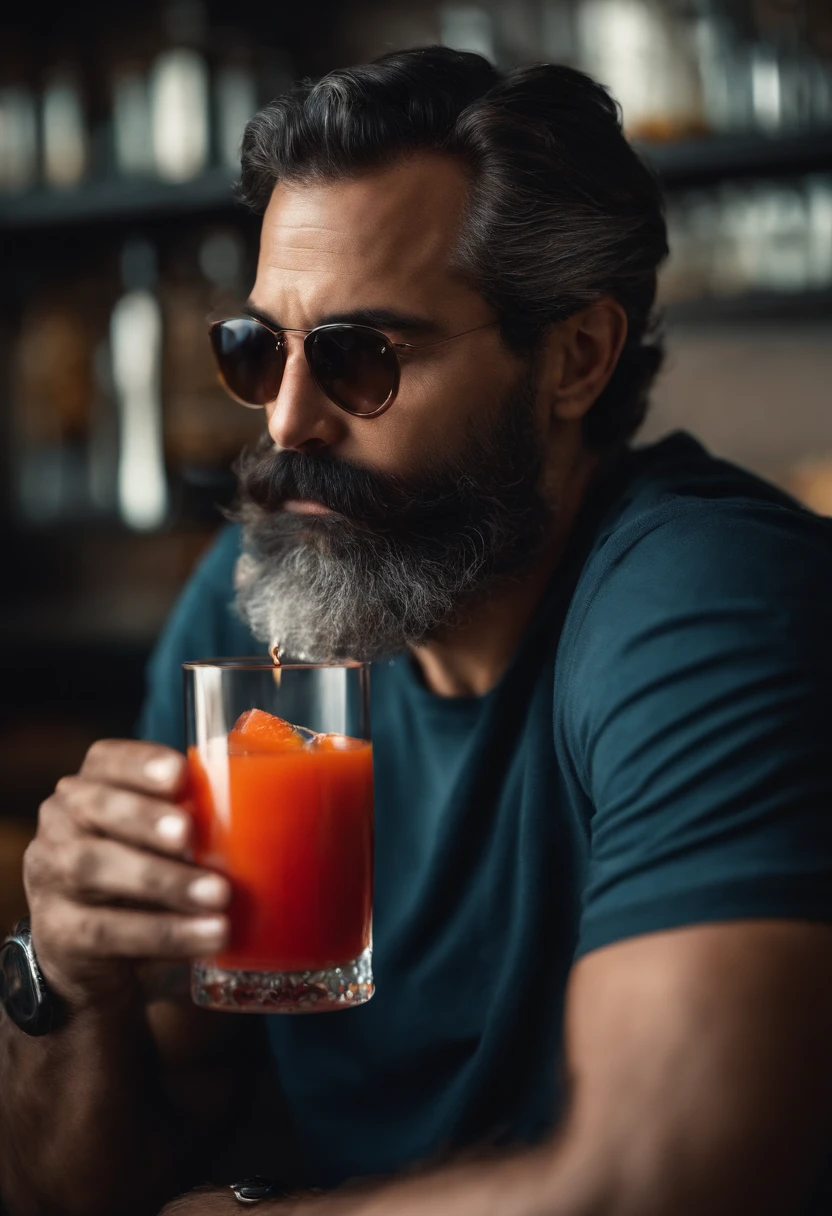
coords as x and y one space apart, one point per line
561 209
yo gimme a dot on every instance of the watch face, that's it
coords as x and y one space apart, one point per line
17 987
252 1190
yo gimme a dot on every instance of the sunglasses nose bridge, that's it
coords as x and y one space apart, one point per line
304 345
298 419
295 363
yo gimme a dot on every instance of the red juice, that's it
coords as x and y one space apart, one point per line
290 822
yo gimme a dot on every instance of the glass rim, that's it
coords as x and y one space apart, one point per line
266 663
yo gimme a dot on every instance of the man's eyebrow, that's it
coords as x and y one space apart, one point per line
378 318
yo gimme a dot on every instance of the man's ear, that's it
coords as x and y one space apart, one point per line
579 357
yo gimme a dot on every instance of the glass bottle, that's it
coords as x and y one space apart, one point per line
136 350
18 121
52 391
180 96
65 135
645 54
235 97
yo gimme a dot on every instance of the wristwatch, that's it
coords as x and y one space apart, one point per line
24 995
252 1190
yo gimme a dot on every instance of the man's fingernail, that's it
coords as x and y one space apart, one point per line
210 929
211 891
171 828
163 769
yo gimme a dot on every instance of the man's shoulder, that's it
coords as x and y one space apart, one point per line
682 546
697 540
690 525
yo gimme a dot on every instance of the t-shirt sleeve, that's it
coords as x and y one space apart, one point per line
697 723
203 624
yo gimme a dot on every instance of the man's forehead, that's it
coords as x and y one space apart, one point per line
389 231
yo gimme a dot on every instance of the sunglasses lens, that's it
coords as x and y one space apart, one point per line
355 366
249 362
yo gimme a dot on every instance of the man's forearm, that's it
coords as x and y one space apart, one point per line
579 1174
82 1127
517 1184
543 1181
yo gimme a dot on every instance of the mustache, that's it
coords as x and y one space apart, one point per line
368 499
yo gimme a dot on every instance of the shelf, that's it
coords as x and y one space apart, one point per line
754 308
118 200
693 162
701 162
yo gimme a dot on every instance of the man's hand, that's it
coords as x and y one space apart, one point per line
108 879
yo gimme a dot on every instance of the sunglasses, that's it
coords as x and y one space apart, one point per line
356 366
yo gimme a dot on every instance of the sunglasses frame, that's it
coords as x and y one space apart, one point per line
280 347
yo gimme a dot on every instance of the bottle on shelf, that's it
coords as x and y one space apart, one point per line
130 56
723 58
180 96
645 53
64 129
136 360
18 121
234 94
51 393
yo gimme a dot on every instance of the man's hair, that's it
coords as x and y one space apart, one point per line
561 210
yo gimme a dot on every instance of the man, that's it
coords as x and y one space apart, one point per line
603 775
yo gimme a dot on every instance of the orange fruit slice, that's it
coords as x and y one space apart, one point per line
255 731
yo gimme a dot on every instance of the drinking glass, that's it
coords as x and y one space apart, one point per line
281 791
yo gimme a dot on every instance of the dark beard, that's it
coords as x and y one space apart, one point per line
403 556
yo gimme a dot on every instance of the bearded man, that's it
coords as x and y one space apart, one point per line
601 713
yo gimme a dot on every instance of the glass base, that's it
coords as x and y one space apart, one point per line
343 987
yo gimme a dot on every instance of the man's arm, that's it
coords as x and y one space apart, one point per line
700 1069
134 1097
91 1112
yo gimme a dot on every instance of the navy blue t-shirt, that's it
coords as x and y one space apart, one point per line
658 754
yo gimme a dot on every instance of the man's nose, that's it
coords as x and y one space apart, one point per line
302 418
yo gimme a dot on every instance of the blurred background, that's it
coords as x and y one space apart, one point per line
119 234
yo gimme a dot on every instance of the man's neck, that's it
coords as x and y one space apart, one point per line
470 658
